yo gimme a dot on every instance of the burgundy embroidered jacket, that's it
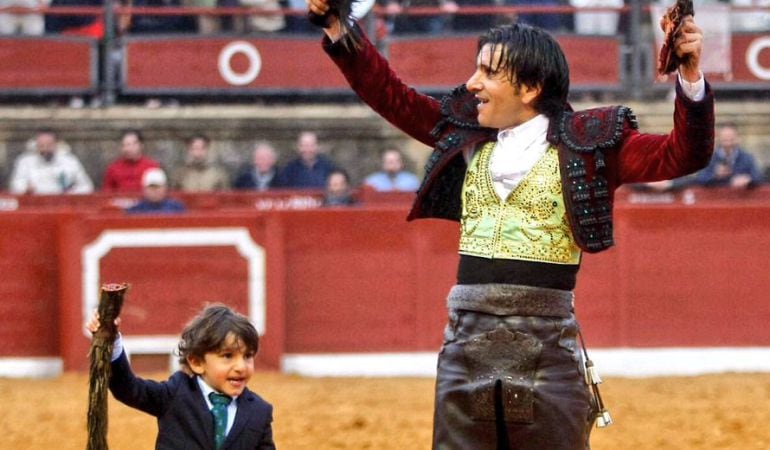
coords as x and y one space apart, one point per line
599 149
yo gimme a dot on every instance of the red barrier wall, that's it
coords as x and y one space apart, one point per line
28 284
48 63
685 272
233 64
220 63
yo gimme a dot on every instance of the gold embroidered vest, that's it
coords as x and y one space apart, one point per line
531 224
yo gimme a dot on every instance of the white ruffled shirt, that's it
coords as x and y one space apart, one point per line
517 150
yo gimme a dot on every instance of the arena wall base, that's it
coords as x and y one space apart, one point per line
621 362
30 367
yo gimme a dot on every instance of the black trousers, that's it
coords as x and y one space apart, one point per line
511 376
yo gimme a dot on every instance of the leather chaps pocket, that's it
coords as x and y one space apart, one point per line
509 360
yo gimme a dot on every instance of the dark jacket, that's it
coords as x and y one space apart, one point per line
165 206
741 163
599 149
247 180
297 175
184 420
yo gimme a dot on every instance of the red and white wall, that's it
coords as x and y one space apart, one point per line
361 291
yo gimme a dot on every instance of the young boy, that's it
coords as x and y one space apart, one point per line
216 353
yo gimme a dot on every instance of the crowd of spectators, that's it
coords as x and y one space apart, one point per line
731 166
48 167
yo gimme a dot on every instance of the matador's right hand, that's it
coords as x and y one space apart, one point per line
318 7
331 25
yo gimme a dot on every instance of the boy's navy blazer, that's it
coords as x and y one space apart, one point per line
184 420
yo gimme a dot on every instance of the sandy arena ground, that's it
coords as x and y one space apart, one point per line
729 411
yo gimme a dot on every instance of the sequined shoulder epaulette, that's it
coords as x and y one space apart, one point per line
584 140
594 129
457 129
459 109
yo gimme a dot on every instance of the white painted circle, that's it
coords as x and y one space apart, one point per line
752 57
227 72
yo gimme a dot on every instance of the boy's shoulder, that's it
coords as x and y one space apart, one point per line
250 397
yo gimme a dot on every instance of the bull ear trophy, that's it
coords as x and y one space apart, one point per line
671 23
342 9
110 304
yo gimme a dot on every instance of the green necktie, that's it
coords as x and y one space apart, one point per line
219 411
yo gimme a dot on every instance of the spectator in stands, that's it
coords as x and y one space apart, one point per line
731 165
75 25
159 24
27 24
155 198
474 23
263 23
125 174
546 20
400 23
392 177
199 173
297 24
603 23
338 189
48 167
261 174
310 169
207 23
78 25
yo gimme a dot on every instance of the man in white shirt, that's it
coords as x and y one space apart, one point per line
48 168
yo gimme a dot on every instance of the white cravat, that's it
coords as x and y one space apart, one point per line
517 150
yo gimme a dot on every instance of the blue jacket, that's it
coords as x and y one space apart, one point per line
166 206
741 162
184 420
297 175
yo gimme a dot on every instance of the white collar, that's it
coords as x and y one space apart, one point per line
206 390
527 132
518 149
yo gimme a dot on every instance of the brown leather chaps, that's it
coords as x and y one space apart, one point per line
510 372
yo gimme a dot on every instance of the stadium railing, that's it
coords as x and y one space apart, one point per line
280 64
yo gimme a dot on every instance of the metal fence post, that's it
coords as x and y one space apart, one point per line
110 47
637 53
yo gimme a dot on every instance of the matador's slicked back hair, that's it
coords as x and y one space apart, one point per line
533 58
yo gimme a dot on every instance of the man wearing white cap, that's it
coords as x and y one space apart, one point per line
155 195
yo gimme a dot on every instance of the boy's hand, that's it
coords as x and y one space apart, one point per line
93 324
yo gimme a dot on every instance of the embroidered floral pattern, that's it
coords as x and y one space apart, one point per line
530 224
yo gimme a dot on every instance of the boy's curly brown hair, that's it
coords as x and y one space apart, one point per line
209 330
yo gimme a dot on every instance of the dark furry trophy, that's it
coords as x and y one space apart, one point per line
110 304
671 23
344 10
